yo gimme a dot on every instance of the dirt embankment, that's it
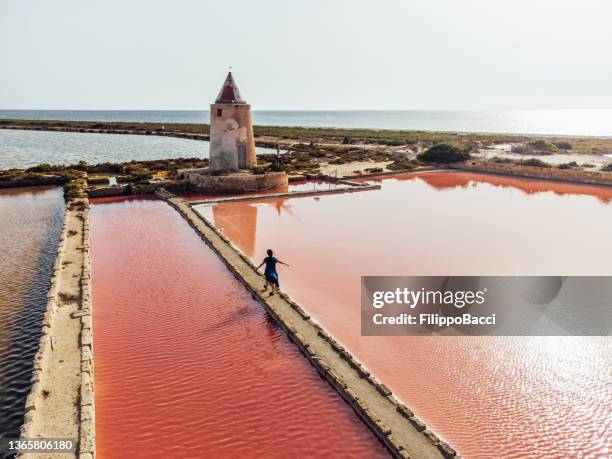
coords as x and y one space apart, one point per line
546 173
61 400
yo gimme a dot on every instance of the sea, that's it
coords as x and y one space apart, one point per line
544 122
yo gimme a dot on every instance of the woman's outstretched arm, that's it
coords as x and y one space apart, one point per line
260 265
283 263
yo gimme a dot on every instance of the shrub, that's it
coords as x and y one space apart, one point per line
41 168
258 170
82 166
607 167
139 172
497 159
521 148
563 145
570 165
543 145
73 190
443 153
587 165
279 164
106 167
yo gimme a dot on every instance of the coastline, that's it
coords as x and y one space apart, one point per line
296 137
532 122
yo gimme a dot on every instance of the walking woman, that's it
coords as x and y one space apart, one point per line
270 273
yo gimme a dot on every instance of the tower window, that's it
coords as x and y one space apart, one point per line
219 112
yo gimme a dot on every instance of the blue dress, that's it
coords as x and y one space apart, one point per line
270 273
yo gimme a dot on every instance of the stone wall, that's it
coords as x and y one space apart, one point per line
546 173
129 189
34 181
87 420
349 188
66 326
237 182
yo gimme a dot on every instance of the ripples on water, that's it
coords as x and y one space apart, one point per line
505 397
21 149
31 225
187 363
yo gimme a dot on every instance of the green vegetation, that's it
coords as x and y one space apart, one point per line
41 168
75 187
534 162
543 146
310 147
258 170
563 145
38 175
536 147
607 167
270 135
310 135
73 177
279 164
520 148
443 153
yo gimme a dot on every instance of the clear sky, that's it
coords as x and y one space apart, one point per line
315 54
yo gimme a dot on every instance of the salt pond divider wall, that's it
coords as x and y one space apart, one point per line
396 426
61 401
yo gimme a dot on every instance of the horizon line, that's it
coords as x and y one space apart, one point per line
307 109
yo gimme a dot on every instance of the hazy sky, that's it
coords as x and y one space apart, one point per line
315 54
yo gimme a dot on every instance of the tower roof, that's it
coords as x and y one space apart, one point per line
229 93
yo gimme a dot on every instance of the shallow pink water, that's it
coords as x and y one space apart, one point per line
489 396
187 363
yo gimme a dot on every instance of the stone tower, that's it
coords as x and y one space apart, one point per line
232 144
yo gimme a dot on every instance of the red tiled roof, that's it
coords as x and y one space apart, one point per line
229 93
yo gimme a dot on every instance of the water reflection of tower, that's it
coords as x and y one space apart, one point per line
280 205
239 223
